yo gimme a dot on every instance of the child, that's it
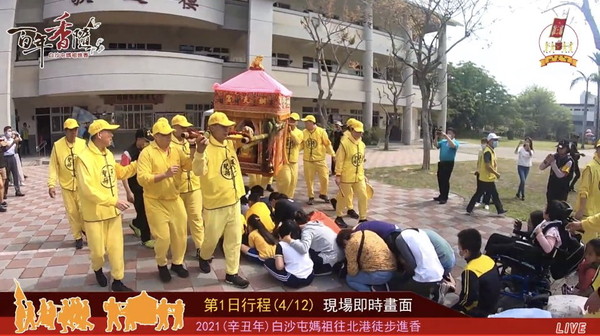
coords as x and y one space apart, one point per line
261 243
290 267
485 198
587 270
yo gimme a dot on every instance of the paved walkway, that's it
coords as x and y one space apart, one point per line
37 249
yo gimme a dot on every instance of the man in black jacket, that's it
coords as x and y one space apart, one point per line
338 133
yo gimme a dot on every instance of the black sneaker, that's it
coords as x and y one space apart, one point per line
2 208
164 274
4 202
340 222
101 278
269 188
437 199
363 220
237 281
180 271
311 201
324 198
352 214
79 243
502 213
204 265
19 194
333 203
118 286
443 201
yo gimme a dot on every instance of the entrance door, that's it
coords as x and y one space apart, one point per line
43 134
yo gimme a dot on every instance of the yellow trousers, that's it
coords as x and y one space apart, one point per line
348 199
193 207
71 201
224 222
320 168
167 220
106 237
287 179
348 190
257 179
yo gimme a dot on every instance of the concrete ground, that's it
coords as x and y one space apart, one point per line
37 249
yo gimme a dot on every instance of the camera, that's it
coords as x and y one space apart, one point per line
438 130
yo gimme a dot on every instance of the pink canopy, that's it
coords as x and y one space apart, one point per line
253 81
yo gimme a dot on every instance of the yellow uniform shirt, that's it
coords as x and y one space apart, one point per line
97 174
153 161
486 175
220 174
350 160
262 211
292 146
591 226
62 163
316 144
265 250
590 187
189 181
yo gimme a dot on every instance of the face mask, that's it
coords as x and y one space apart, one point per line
494 144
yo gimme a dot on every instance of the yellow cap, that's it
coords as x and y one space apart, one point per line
220 118
369 191
181 121
357 126
70 124
295 116
101 125
161 127
310 118
350 122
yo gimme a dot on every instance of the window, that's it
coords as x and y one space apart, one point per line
222 53
194 112
134 46
308 62
356 114
282 60
376 118
134 116
58 115
329 65
282 5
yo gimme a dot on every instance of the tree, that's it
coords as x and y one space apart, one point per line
586 10
333 36
544 118
422 24
392 94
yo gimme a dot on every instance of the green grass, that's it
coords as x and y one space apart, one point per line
537 144
463 183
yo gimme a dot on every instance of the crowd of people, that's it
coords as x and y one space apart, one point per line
179 181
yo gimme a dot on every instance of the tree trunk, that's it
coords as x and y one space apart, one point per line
426 131
388 132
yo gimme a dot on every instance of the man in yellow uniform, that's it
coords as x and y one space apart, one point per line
316 144
220 174
287 178
589 194
97 174
350 173
160 168
62 168
189 188
349 207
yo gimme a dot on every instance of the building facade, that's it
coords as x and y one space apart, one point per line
162 58
581 121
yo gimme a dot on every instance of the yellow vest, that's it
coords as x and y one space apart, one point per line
484 174
350 160
97 174
220 174
262 211
292 145
189 181
62 163
590 187
316 144
153 161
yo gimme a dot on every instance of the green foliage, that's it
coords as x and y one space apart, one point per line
478 103
372 136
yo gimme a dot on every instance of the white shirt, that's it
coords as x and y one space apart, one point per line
300 265
11 148
525 158
429 268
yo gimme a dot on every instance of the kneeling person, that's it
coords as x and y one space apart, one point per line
159 173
